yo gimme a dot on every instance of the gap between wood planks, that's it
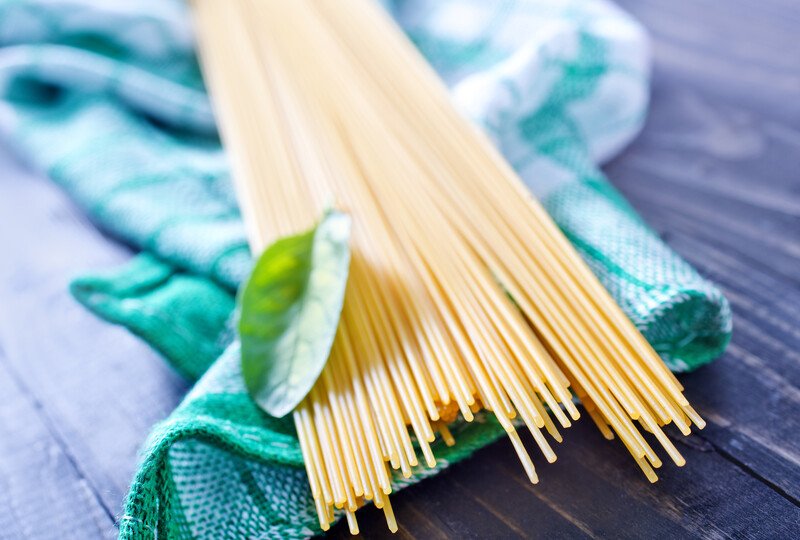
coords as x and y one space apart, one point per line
697 224
744 468
37 405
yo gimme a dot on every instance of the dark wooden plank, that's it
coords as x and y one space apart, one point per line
749 216
741 54
98 388
595 490
43 493
459 503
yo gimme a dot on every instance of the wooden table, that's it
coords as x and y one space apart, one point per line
716 172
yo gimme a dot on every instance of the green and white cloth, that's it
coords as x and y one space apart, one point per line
106 97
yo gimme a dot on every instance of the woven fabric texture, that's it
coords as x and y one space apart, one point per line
106 97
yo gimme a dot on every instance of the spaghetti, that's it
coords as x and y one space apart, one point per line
463 295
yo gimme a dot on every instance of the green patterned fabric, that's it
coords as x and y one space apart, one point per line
106 97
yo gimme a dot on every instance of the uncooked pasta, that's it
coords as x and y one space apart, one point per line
463 296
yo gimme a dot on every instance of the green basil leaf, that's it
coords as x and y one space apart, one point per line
289 311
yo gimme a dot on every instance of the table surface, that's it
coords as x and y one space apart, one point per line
716 172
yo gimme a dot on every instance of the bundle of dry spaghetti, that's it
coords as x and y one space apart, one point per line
463 295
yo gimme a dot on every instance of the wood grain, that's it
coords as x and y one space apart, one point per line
45 494
717 172
94 391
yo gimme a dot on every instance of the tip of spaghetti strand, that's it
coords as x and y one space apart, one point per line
524 458
647 470
388 512
534 478
351 521
322 513
694 417
572 410
446 435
